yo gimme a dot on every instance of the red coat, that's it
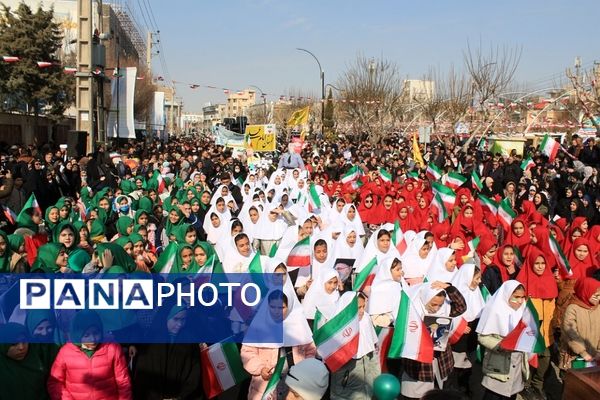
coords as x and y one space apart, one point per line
103 376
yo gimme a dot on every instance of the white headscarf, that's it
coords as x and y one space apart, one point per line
329 261
225 243
371 250
475 302
498 317
385 291
438 271
213 234
356 223
422 294
414 266
317 297
343 249
267 229
296 331
250 228
234 262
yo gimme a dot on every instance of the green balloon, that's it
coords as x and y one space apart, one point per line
386 387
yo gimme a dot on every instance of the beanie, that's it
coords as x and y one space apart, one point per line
309 378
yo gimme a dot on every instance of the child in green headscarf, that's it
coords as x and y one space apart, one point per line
18 256
51 258
107 255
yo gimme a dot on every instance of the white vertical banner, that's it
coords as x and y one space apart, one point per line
121 123
157 119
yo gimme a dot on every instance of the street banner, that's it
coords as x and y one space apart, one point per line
262 137
121 123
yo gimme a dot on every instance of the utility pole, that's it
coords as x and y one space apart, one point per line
84 95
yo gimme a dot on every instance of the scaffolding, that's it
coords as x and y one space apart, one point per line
132 30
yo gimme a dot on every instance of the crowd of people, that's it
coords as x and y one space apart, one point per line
122 210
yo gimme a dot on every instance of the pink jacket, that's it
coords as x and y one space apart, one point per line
257 358
103 376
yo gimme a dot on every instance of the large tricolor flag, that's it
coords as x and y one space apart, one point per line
438 204
506 214
526 336
384 340
271 390
411 337
446 194
433 172
488 203
352 174
527 163
476 180
398 238
455 180
337 339
365 276
385 176
560 257
549 147
222 368
166 260
300 254
313 198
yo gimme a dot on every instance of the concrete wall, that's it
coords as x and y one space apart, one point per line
26 129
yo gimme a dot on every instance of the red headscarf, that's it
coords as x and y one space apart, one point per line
368 214
465 225
542 243
387 214
485 244
580 268
408 223
439 230
537 286
584 289
519 241
528 208
500 264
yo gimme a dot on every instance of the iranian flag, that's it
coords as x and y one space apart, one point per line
384 340
355 185
44 64
31 203
526 164
166 260
337 339
10 59
385 176
352 174
313 197
433 172
549 147
474 243
485 293
438 204
526 336
476 181
506 214
222 368
457 329
300 254
411 337
413 175
446 194
398 238
489 204
455 180
9 214
560 257
365 276
271 390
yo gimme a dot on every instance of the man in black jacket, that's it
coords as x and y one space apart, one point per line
233 189
512 171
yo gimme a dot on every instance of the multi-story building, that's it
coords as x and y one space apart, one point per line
417 90
192 121
238 103
213 114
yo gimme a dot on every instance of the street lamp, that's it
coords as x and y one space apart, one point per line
264 97
322 84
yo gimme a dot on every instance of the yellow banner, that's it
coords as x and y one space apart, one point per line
262 137
299 117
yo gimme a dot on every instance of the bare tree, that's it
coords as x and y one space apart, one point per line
491 72
587 96
371 97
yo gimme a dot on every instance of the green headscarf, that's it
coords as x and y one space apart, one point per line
49 224
78 259
16 241
208 249
120 257
123 240
127 186
136 237
62 226
193 268
123 223
145 204
24 220
169 226
97 231
82 321
138 214
180 231
86 196
46 258
5 259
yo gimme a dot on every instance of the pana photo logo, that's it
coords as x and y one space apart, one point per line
131 294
